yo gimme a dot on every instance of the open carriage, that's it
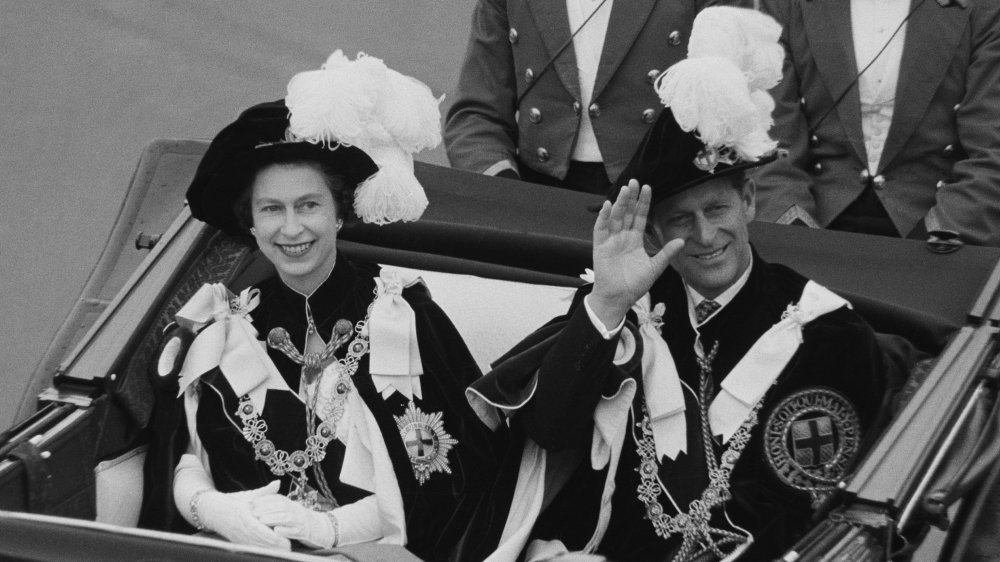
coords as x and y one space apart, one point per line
501 258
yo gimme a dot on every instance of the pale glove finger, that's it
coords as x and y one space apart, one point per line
256 533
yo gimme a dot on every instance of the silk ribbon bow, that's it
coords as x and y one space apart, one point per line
664 396
226 339
759 368
394 360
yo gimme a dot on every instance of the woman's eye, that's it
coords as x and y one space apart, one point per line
310 205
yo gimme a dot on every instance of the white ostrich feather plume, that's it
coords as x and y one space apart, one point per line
388 115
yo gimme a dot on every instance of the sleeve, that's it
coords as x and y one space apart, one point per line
970 203
784 183
845 355
190 478
480 132
358 522
550 383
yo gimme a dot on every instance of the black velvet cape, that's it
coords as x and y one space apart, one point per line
437 512
574 370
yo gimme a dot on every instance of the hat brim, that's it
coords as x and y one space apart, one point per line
255 140
729 170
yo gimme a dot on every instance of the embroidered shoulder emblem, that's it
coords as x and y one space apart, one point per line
426 441
810 437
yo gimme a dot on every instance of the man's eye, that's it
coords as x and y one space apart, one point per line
270 209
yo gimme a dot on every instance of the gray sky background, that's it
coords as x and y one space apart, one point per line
87 84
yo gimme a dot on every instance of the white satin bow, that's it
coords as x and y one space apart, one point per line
226 339
759 368
661 383
394 361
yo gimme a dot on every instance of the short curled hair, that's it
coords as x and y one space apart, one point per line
341 188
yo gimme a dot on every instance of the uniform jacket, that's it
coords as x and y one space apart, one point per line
575 376
510 43
940 168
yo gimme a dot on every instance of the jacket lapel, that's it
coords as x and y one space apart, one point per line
828 26
932 37
627 19
552 23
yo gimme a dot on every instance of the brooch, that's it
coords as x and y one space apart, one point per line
426 441
810 438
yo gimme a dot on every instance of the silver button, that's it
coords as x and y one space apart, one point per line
817 169
674 38
529 75
594 111
957 107
512 36
949 150
576 107
878 182
814 141
802 103
864 176
534 115
940 184
649 115
652 75
542 154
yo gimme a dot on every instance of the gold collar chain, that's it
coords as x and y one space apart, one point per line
699 536
282 462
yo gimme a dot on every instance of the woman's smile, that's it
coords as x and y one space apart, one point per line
295 250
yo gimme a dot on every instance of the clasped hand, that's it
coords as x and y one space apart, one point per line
262 517
623 271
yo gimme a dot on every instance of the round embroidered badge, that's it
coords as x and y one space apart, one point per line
810 437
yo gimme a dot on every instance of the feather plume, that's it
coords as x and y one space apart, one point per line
747 37
386 114
393 193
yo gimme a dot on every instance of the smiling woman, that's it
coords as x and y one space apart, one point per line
295 222
348 425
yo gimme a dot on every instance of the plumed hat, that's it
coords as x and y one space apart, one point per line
718 111
362 117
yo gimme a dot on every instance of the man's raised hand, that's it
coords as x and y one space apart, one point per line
623 271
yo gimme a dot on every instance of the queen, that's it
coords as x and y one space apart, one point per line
325 405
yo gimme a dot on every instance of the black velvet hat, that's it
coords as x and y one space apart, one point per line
671 160
364 118
717 107
255 139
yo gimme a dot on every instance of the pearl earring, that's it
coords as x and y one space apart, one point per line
253 231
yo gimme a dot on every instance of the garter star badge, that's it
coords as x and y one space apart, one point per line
810 438
426 441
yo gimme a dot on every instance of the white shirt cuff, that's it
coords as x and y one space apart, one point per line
605 333
499 167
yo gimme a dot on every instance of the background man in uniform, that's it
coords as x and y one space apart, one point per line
889 111
537 101
716 397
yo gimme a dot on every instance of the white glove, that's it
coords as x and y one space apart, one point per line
292 520
231 515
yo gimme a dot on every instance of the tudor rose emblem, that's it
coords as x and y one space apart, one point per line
426 441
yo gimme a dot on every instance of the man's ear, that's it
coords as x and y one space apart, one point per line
749 196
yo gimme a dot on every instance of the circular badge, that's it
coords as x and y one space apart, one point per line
810 437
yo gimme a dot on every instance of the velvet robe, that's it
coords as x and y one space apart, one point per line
437 512
574 371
